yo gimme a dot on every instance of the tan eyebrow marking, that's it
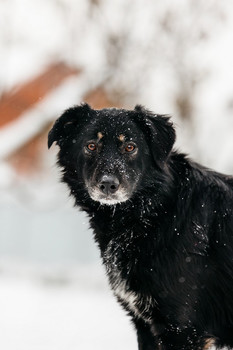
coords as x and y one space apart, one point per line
122 137
100 135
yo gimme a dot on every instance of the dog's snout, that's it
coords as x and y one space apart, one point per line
109 184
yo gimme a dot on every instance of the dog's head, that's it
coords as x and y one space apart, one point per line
110 152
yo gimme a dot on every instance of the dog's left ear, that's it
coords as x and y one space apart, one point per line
67 123
159 131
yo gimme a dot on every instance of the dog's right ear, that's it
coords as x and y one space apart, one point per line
66 123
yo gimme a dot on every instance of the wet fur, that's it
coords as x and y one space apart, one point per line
168 249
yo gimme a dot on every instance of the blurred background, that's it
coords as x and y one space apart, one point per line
174 57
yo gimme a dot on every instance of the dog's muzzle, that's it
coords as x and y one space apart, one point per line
108 190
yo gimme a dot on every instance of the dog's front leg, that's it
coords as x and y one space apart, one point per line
146 339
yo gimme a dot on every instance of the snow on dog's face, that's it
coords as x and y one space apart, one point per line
113 163
108 151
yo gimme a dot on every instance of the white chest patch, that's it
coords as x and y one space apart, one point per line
128 297
140 305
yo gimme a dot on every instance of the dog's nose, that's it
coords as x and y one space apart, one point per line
109 184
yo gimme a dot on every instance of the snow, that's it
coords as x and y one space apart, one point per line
57 317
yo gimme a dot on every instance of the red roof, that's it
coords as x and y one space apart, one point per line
14 103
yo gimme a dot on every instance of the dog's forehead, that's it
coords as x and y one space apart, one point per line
114 123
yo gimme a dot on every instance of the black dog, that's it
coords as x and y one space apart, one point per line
163 224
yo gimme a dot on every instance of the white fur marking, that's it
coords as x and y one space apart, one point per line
120 196
139 304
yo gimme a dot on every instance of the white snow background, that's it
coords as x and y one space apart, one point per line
53 292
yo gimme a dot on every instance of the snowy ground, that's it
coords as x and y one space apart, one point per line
51 316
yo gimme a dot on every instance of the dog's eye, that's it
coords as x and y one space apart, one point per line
91 146
130 148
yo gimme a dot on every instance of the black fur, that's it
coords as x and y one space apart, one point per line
164 228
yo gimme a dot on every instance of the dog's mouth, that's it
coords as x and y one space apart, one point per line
121 195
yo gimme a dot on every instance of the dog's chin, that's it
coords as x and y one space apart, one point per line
112 199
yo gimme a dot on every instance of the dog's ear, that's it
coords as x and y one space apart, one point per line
159 132
67 122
